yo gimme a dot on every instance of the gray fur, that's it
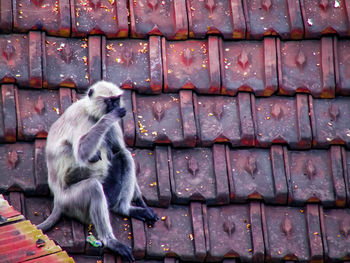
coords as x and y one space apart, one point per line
79 149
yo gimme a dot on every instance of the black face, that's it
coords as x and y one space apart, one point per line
112 103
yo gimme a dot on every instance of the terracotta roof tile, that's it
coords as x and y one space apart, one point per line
216 17
167 18
267 17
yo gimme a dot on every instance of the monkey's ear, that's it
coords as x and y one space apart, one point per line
91 91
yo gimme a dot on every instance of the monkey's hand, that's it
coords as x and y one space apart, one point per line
118 112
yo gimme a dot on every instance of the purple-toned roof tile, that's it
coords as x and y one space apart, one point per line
161 18
8 114
306 66
191 64
249 66
325 17
121 58
282 120
166 118
108 17
36 112
315 176
330 121
51 16
224 119
342 66
65 62
276 18
216 17
336 229
257 174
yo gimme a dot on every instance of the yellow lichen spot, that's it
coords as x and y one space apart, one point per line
85 59
210 114
163 218
177 172
87 76
301 210
150 153
118 60
114 18
204 66
248 226
250 250
121 44
191 236
268 117
153 184
169 71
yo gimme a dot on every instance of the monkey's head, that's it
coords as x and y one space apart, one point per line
103 97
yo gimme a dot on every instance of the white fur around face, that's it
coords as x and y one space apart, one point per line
101 90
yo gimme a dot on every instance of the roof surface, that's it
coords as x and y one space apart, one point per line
238 120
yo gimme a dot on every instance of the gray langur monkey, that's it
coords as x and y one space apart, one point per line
89 168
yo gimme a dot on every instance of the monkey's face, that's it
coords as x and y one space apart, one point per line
103 97
112 103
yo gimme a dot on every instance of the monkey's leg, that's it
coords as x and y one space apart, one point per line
86 199
52 219
121 186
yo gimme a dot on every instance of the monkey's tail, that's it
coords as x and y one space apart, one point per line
51 220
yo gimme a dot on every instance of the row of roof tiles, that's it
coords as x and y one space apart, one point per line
179 19
22 241
217 175
197 232
212 66
185 119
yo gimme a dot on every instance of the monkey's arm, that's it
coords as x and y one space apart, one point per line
87 145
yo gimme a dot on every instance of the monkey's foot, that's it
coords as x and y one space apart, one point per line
151 217
146 214
123 250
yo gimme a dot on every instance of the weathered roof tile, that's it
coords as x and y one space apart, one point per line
342 66
162 18
282 120
166 118
325 17
216 17
249 66
8 130
315 176
191 64
121 58
306 66
336 229
99 17
252 175
330 121
52 16
266 17
36 112
65 62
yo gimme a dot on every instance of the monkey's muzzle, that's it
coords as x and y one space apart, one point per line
112 103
